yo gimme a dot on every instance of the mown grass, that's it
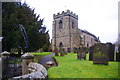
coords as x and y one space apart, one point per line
39 55
70 67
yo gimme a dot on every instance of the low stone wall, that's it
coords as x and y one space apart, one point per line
30 69
36 71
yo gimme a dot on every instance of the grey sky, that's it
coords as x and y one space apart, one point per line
99 17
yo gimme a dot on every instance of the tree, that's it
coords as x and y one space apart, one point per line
17 13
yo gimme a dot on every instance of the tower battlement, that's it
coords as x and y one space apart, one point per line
65 13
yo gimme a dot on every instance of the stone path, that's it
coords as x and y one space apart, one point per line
46 58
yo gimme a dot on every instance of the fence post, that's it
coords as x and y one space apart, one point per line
26 59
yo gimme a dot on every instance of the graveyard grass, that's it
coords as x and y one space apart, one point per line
39 55
70 67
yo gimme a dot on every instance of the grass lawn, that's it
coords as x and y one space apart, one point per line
39 55
70 67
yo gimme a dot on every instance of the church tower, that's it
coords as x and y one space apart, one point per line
65 32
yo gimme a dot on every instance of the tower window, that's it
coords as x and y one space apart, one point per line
72 24
60 24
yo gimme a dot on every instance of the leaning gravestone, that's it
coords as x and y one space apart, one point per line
100 54
110 51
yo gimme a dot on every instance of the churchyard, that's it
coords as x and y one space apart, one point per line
97 62
70 67
28 54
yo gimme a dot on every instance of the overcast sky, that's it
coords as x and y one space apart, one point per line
99 17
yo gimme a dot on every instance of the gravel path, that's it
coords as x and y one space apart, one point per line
46 58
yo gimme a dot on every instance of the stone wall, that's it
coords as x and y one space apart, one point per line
68 34
31 70
88 40
65 30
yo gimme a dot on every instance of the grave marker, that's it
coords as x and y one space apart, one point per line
110 51
100 54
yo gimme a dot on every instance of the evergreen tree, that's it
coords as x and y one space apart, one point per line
17 13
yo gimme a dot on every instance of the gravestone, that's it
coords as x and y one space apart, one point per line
110 51
91 53
56 52
62 51
100 54
75 50
118 53
68 50
84 52
81 54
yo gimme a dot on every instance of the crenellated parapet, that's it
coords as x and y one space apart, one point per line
65 13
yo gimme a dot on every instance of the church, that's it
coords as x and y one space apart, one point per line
66 34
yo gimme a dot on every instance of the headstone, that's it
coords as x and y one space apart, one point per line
75 50
117 50
68 50
91 53
84 53
62 52
79 55
56 52
100 54
110 51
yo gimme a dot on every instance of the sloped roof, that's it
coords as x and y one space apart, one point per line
85 31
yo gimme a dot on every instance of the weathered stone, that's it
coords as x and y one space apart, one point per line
65 30
100 54
26 59
62 52
50 64
5 66
91 53
118 54
27 56
111 48
37 71
79 54
5 53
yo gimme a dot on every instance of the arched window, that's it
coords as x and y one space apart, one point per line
60 24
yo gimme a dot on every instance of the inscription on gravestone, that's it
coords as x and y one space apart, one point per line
100 54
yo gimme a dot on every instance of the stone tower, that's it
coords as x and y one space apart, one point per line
65 32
